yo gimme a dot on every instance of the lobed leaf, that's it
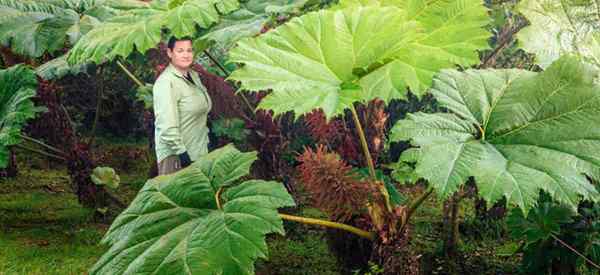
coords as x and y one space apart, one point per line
140 29
330 59
517 132
32 28
174 226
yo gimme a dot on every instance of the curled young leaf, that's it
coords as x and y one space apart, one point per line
105 176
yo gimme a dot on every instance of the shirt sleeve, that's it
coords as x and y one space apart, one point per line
167 117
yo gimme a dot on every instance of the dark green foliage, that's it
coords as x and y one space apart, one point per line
548 223
17 87
540 224
233 129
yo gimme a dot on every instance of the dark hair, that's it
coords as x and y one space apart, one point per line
173 39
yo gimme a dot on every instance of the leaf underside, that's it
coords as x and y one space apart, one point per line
140 29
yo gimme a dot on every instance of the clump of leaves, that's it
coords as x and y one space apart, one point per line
540 224
550 234
233 129
516 132
17 87
200 220
105 176
335 188
34 28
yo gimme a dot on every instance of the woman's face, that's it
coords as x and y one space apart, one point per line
182 54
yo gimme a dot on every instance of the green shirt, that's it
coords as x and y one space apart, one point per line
180 109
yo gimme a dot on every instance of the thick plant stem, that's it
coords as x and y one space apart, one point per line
595 265
369 160
68 117
505 39
128 73
363 142
451 223
214 60
413 207
98 106
304 220
341 226
481 132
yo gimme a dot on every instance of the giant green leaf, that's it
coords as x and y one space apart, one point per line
174 226
329 59
140 29
17 87
33 28
452 33
248 21
517 132
561 27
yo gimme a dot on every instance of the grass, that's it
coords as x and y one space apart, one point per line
44 231
50 250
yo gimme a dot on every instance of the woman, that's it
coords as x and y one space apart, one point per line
181 106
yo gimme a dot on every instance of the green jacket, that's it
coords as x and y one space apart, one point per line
180 109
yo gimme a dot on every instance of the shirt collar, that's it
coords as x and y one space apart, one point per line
177 73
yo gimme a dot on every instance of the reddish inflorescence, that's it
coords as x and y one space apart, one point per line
334 188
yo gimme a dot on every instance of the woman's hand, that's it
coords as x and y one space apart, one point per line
184 160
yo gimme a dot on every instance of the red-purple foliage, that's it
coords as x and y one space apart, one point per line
374 119
322 131
55 128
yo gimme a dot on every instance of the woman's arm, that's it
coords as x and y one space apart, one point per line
167 117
